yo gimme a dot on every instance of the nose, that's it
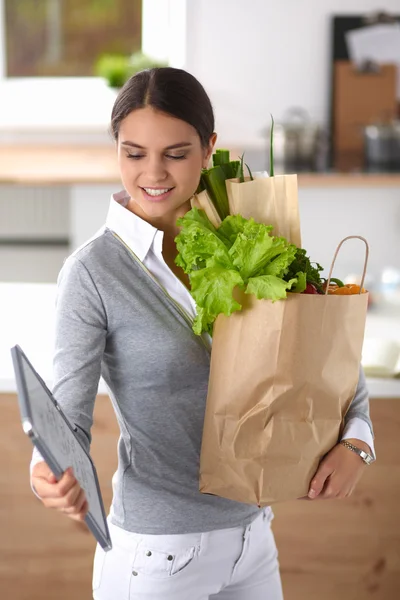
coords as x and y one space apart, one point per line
155 169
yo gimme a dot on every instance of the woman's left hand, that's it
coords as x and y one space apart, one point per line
338 473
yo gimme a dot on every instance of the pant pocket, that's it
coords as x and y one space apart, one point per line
98 565
162 564
268 514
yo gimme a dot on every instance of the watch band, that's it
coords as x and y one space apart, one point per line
367 458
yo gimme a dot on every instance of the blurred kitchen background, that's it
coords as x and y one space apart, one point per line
329 73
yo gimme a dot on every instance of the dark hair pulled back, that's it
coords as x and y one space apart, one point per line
172 91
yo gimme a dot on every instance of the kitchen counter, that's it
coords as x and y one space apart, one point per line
27 319
97 164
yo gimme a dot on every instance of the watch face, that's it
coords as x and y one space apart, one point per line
366 457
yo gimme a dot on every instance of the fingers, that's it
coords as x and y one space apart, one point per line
317 484
64 495
336 490
82 514
75 505
60 500
47 486
42 471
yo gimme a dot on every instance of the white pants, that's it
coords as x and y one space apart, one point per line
229 564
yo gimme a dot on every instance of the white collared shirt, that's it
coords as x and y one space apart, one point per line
146 242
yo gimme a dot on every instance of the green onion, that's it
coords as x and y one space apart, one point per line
250 173
241 170
338 282
271 150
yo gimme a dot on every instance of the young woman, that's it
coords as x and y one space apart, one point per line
124 311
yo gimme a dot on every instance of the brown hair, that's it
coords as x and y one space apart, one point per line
172 91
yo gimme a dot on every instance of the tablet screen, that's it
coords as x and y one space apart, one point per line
55 433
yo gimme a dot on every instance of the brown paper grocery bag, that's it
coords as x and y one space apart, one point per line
204 202
282 378
269 200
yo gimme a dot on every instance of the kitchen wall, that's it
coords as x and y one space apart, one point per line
329 214
261 57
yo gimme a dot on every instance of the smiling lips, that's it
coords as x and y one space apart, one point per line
157 193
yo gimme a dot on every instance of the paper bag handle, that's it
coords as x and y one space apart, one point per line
350 237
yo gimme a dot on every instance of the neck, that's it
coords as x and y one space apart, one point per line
166 223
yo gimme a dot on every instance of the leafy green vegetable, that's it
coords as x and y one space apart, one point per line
301 283
338 282
254 248
280 265
213 180
231 227
199 242
303 264
269 286
212 289
240 170
250 173
221 158
239 253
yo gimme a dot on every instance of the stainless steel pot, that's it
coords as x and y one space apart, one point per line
299 143
382 146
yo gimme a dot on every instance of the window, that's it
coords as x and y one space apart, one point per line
65 37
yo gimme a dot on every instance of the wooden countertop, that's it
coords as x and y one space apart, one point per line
58 165
69 165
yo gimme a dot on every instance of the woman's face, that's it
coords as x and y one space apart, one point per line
160 159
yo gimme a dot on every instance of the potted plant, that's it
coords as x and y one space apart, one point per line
116 69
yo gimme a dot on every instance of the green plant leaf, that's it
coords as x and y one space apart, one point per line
250 173
212 289
254 248
301 283
269 287
198 242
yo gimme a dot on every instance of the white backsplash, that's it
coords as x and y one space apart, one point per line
330 214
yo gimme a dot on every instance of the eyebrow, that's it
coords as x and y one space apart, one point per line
172 147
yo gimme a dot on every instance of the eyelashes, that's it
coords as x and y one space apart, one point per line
169 156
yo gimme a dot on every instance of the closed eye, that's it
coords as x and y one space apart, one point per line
170 156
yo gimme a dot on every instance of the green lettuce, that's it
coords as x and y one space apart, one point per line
240 253
212 289
199 242
269 286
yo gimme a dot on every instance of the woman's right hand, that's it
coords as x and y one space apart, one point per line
64 495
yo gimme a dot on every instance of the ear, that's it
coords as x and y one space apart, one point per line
209 150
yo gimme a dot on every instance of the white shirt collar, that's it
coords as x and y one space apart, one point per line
134 231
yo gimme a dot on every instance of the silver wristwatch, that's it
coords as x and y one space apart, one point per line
367 458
